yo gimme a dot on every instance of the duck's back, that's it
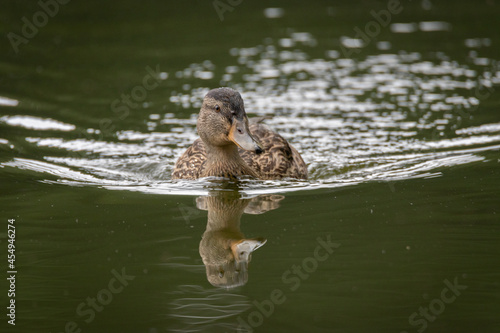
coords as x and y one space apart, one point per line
279 159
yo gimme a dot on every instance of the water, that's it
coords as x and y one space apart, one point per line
400 131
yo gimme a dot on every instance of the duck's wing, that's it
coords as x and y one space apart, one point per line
190 164
279 159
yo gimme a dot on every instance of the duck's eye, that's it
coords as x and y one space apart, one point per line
217 108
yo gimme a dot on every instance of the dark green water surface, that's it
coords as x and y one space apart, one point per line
397 229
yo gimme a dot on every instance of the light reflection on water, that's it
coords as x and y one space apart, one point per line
388 116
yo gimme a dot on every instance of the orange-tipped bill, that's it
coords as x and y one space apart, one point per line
240 135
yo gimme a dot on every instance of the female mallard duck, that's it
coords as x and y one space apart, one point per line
230 148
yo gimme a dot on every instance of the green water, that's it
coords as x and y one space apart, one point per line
397 229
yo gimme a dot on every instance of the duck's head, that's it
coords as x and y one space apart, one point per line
223 121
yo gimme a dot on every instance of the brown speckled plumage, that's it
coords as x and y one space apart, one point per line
279 159
274 157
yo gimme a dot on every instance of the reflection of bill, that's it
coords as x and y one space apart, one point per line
224 249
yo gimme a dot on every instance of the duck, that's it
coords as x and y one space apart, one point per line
231 146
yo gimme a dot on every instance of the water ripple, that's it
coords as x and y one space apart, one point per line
382 117
202 310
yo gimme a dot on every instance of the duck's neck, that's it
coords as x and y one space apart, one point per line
225 161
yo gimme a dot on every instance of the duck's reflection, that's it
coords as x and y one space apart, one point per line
224 249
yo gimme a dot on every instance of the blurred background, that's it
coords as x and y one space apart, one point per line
394 106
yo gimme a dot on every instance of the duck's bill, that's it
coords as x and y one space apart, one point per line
240 135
